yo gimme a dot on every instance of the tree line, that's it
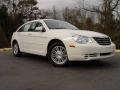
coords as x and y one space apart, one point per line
104 18
14 13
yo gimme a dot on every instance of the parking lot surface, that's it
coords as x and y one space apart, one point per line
32 72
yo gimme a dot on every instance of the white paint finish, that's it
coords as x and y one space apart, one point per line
37 42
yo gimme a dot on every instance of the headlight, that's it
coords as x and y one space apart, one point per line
82 39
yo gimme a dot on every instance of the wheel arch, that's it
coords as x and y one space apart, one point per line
13 42
53 41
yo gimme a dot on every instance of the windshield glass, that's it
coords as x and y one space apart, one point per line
57 24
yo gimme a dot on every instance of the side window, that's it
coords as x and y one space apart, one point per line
38 24
30 27
25 28
33 26
21 29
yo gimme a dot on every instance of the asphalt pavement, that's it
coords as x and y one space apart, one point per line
32 72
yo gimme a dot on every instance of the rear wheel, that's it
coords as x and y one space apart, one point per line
57 54
15 50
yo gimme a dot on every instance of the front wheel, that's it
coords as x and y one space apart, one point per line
57 54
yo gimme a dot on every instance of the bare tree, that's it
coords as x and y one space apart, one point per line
106 13
71 15
109 18
54 11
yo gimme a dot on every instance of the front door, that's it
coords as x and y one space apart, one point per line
36 39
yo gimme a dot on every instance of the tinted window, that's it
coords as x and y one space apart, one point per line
33 25
30 27
21 29
38 24
57 24
25 28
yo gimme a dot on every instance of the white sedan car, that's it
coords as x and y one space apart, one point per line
61 42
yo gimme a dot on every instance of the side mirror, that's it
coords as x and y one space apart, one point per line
40 29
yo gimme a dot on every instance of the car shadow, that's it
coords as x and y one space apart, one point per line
35 58
96 64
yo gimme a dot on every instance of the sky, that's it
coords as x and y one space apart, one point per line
48 4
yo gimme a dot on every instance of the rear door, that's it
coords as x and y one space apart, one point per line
23 34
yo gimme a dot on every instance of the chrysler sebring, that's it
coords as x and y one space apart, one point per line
61 42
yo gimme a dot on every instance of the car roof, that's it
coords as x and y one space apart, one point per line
39 20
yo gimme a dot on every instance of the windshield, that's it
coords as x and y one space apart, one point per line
57 24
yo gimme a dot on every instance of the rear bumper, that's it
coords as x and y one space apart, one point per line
90 52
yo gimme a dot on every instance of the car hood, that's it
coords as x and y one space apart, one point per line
78 32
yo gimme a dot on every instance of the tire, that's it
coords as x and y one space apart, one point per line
57 54
15 50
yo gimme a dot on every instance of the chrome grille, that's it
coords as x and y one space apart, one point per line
103 41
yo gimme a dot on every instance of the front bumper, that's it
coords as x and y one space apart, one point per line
90 52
